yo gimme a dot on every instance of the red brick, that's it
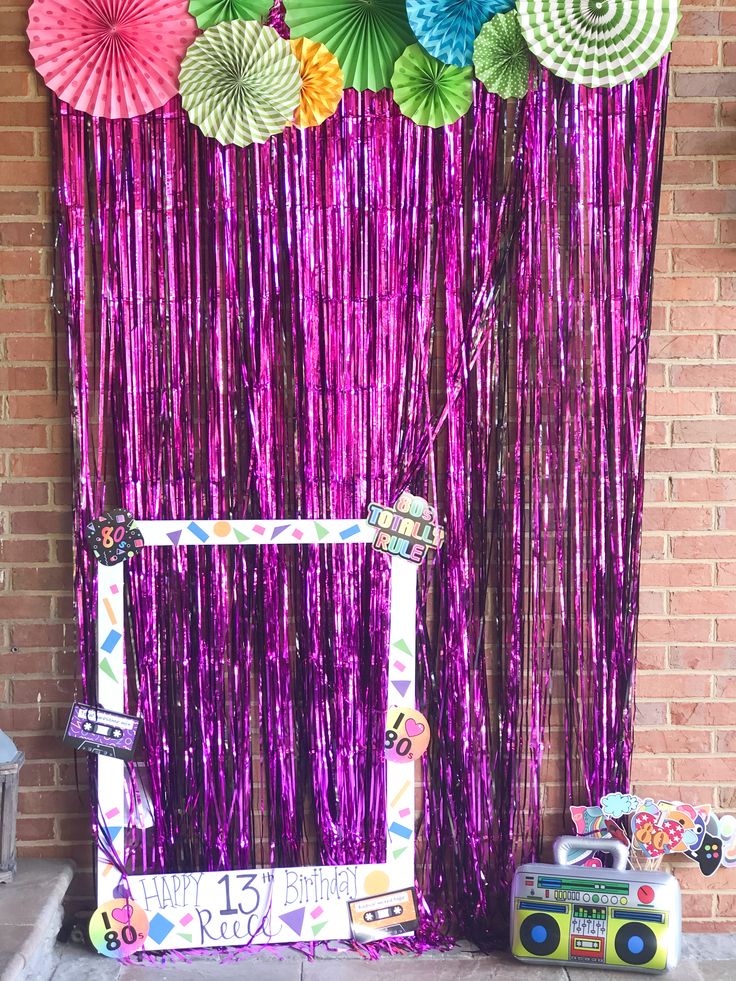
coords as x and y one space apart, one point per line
28 290
25 607
706 658
706 201
677 517
698 84
703 318
22 262
714 546
15 436
44 578
706 260
700 602
726 459
670 458
24 233
23 493
680 403
703 714
707 770
705 375
678 171
27 550
671 685
672 742
700 22
39 464
38 522
16 143
691 54
704 431
37 635
14 378
652 630
726 631
685 288
704 489
19 203
726 170
676 574
649 768
698 115
29 348
692 231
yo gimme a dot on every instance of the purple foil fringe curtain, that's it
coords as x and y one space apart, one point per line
300 328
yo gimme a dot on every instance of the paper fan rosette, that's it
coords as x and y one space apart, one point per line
447 28
599 42
240 82
211 12
428 91
501 57
322 82
366 36
112 58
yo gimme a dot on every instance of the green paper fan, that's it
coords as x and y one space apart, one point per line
599 43
366 36
501 57
240 82
211 12
428 91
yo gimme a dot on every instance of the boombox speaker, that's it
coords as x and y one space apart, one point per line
594 917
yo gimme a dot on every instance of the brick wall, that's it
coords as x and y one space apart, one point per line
686 745
687 682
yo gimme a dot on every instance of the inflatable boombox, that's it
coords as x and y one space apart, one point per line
593 917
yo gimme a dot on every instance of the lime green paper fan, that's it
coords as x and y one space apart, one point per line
501 57
366 36
240 82
599 43
210 12
428 91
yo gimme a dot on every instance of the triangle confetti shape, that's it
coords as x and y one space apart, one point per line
402 687
174 536
278 530
240 536
399 851
401 645
317 927
105 666
294 919
322 532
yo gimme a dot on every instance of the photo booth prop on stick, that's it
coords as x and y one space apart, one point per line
190 909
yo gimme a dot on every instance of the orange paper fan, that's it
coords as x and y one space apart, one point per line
322 82
112 58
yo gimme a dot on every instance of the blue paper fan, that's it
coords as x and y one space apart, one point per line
448 28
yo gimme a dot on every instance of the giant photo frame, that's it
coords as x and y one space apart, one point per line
189 910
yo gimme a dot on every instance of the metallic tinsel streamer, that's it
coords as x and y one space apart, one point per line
300 328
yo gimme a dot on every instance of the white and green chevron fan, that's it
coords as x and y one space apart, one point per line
240 82
599 42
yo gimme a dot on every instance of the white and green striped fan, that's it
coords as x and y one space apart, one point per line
240 82
599 42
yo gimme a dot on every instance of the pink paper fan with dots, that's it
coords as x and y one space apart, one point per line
112 58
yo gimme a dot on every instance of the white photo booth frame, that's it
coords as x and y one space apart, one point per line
190 910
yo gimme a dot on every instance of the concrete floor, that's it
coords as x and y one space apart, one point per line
705 958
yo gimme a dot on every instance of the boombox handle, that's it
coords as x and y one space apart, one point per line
571 843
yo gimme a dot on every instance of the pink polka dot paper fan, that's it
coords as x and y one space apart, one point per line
112 58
